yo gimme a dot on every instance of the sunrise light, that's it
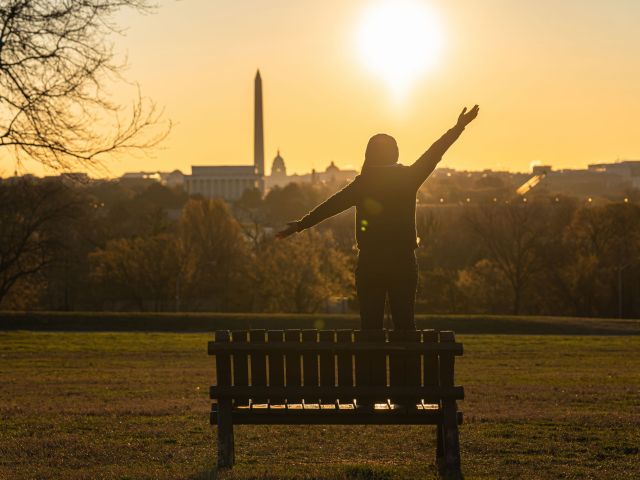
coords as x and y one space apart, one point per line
399 41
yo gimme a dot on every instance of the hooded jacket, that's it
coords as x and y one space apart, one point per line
385 200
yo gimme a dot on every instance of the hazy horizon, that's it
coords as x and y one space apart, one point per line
557 82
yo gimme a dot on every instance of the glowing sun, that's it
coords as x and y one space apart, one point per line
399 41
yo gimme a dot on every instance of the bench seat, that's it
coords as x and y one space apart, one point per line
331 414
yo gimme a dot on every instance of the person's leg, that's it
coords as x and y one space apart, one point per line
372 291
402 292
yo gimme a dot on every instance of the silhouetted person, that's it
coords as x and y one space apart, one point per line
384 195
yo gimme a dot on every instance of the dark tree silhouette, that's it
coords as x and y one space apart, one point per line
30 220
56 56
609 234
512 236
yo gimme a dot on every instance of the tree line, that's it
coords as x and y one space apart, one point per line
141 246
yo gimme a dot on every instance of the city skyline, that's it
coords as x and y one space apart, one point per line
559 89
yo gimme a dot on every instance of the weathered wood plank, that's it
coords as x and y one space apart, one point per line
327 365
431 363
381 393
320 347
379 359
258 365
290 416
240 363
276 363
292 365
405 368
345 365
226 451
432 378
362 361
310 361
371 366
450 440
223 361
447 361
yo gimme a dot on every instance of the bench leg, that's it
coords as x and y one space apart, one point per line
226 450
449 463
440 445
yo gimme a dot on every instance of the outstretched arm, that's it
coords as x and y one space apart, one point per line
426 164
335 204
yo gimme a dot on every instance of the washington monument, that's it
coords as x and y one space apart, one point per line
258 133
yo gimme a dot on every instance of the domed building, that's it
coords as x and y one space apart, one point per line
278 168
278 177
331 175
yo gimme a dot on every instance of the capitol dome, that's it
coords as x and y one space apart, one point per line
278 168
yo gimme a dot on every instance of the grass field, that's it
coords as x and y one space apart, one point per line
134 406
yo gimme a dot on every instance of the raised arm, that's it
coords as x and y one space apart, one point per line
426 164
333 205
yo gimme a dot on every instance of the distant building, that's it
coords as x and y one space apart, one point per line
71 178
141 176
170 179
595 182
278 168
229 182
173 179
226 182
627 169
331 175
541 169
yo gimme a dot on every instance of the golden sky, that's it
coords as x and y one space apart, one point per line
558 82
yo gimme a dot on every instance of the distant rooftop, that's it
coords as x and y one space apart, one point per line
224 170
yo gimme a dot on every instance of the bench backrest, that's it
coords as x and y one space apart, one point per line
329 366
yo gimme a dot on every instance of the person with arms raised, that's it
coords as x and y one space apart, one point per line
384 195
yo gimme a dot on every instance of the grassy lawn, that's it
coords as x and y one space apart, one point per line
135 406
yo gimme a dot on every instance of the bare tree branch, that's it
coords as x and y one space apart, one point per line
56 56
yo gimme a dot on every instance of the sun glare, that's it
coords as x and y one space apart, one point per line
399 41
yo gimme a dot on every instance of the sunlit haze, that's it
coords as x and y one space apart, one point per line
558 81
398 41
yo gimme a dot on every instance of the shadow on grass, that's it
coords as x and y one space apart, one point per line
367 473
208 475
349 473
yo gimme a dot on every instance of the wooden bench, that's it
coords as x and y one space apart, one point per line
337 377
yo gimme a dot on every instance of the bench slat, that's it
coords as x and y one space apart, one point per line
371 365
405 367
310 360
327 364
447 361
431 371
345 364
292 362
380 394
362 363
258 364
240 362
449 426
223 361
454 348
224 417
259 416
276 363
379 360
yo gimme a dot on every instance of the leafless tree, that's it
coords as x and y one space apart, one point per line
512 236
56 57
32 216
